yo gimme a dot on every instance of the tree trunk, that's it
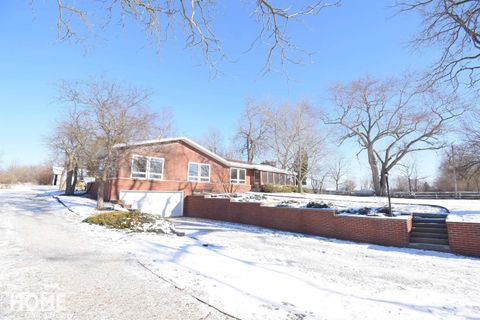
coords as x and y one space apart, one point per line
68 187
374 169
75 179
249 151
101 190
100 193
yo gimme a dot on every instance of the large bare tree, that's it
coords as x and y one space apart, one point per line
453 26
194 20
111 114
390 119
295 139
252 131
66 142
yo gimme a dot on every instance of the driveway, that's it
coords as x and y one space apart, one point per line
218 269
50 268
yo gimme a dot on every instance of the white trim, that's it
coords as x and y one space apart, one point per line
238 180
199 172
147 172
261 167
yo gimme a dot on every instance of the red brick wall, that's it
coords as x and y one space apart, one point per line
464 238
176 157
322 222
188 188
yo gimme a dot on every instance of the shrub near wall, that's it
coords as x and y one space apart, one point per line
464 237
273 188
321 222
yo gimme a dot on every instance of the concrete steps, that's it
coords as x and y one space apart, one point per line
429 229
429 246
430 235
429 232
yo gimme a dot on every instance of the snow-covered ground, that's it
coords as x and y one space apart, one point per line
51 267
460 210
247 272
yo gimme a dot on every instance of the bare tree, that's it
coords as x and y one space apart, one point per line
349 185
195 20
391 119
295 139
409 171
213 141
470 146
164 126
253 129
14 173
463 174
66 141
366 182
318 175
112 115
337 171
460 165
454 27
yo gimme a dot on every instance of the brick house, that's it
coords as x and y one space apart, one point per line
157 175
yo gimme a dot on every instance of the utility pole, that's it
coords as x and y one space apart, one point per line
454 171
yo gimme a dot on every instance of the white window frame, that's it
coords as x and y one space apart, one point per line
198 177
147 173
154 173
238 180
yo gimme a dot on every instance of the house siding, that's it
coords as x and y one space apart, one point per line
177 156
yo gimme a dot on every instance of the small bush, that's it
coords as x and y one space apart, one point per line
134 221
116 219
273 188
317 205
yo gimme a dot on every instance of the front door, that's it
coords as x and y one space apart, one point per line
256 178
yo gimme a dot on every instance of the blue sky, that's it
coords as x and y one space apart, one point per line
358 38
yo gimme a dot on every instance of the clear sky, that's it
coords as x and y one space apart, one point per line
358 38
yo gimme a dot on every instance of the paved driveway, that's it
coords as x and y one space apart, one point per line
49 268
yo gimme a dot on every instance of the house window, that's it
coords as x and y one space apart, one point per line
147 168
155 168
238 175
139 167
270 178
198 172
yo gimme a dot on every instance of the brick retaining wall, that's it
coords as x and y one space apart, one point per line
321 222
464 237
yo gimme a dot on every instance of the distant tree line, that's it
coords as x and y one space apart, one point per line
36 174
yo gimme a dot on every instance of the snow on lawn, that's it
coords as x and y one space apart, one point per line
460 210
256 273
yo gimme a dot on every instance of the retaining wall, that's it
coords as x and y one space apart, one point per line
464 237
321 222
